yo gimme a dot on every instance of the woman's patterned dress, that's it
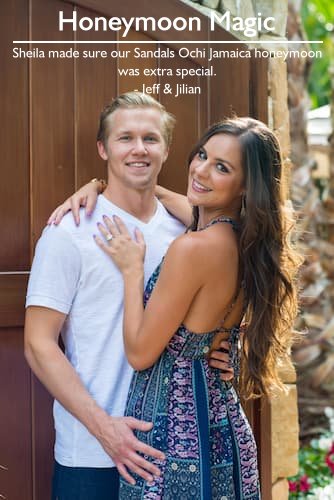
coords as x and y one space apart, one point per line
198 423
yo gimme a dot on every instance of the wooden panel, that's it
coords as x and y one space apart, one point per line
186 109
261 409
53 178
258 103
140 82
12 299
230 86
149 8
95 86
43 440
65 98
15 428
52 113
262 432
14 146
258 89
248 407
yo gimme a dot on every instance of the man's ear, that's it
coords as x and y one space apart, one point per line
101 150
165 155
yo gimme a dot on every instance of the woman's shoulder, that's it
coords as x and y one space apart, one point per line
184 246
198 245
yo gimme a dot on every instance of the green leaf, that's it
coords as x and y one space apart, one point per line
318 21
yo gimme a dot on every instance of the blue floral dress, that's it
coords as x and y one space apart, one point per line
198 422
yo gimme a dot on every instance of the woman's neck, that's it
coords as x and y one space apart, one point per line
207 216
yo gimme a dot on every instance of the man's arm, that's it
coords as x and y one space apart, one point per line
51 366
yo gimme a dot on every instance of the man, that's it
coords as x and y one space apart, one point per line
76 290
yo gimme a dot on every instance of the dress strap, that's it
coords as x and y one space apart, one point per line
235 226
232 304
234 332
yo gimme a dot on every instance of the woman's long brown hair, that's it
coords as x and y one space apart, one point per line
267 260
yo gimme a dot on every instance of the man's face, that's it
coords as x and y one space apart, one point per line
135 148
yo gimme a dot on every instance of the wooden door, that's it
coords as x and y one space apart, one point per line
50 113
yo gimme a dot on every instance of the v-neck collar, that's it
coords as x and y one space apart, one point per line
147 226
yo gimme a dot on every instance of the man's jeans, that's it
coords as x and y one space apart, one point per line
84 483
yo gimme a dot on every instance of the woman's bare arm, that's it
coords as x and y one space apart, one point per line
180 273
179 281
86 197
177 204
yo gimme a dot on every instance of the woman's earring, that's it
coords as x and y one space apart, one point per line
243 205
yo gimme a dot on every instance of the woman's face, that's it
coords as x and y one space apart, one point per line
216 178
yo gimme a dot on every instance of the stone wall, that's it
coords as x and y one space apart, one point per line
284 413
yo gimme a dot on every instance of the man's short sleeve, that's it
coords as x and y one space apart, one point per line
55 271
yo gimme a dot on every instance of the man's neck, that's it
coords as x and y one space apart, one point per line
141 203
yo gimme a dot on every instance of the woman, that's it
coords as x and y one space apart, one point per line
235 261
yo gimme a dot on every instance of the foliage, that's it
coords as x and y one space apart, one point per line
318 20
315 479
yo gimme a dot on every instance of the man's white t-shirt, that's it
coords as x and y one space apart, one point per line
71 274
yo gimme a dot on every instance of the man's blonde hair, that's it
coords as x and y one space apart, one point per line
135 100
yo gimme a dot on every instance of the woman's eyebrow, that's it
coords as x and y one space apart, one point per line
202 148
225 161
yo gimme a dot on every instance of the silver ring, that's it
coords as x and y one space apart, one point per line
108 237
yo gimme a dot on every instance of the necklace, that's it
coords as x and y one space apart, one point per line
222 218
